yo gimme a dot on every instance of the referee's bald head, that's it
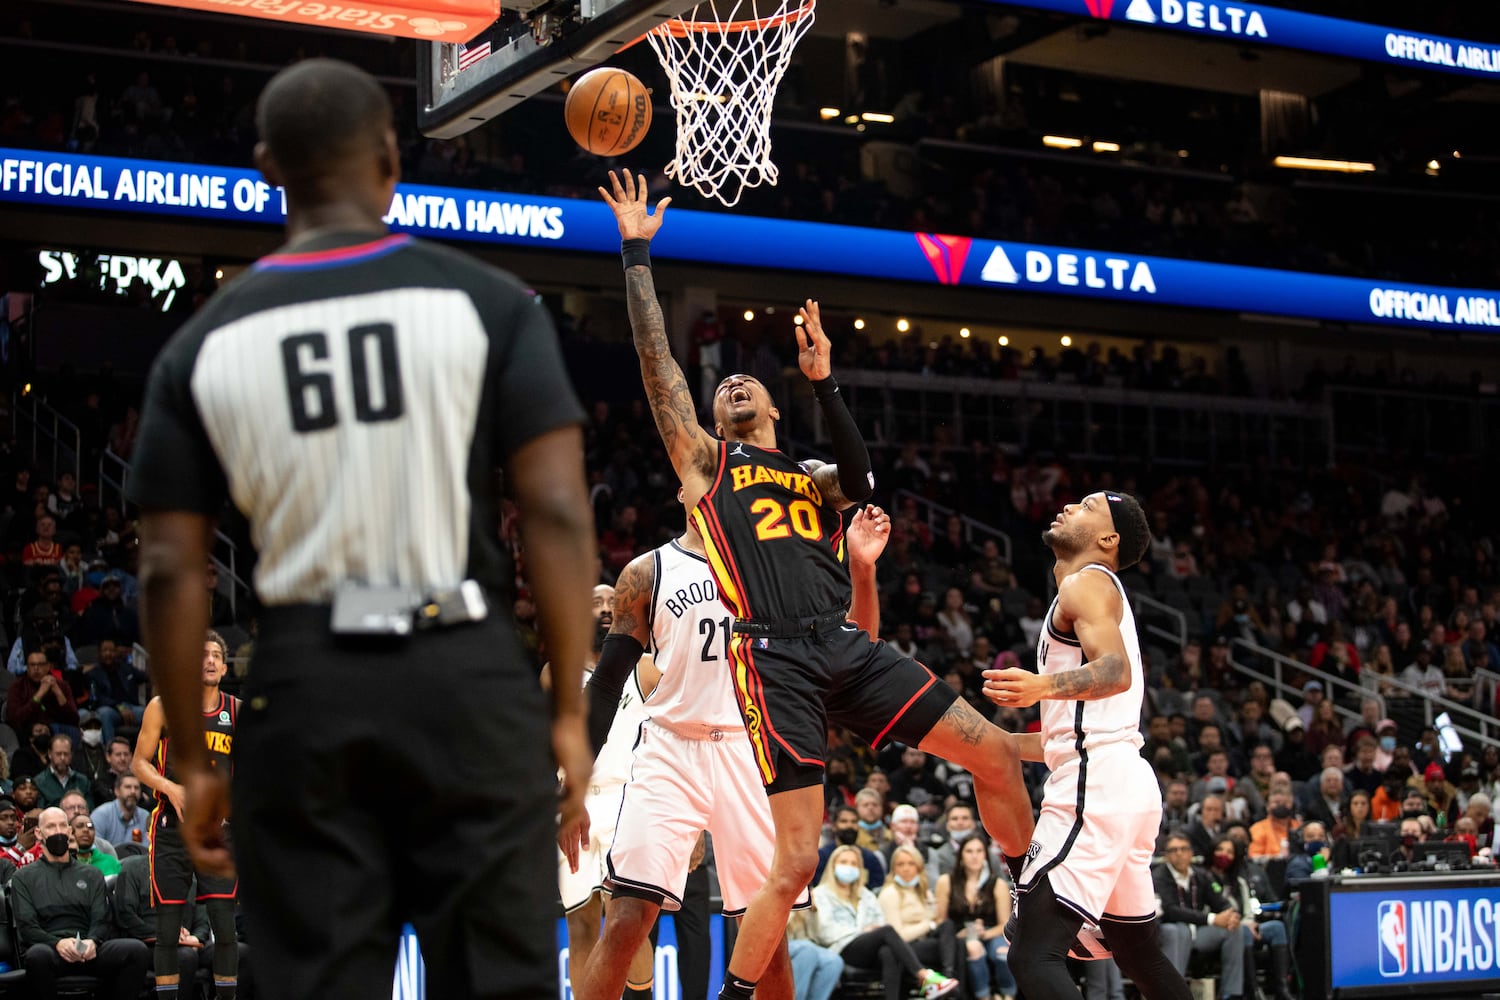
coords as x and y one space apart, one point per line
324 123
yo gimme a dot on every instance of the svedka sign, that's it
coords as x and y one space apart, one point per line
236 195
429 20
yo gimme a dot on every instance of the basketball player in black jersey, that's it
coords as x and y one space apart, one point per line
774 536
171 868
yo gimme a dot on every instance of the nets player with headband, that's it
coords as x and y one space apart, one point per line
355 394
1101 806
171 869
693 767
774 538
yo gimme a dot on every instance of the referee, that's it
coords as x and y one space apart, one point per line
354 394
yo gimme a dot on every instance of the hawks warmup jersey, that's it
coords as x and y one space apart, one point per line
218 733
776 551
1070 726
354 400
690 632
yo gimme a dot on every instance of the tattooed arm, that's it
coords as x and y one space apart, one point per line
632 610
1091 603
692 450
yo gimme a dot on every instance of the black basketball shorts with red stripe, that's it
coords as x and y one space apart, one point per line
791 689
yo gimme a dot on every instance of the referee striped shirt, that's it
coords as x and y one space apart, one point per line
354 399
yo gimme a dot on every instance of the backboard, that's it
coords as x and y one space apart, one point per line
534 44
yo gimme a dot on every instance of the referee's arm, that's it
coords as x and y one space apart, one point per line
557 532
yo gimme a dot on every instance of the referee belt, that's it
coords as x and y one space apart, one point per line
790 628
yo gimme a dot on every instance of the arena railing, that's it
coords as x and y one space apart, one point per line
1381 421
51 434
936 516
1147 608
1094 423
1487 732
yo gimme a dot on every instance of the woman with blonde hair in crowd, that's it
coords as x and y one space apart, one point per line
1378 671
851 924
1325 729
973 898
906 900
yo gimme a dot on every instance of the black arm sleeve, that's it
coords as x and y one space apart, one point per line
616 660
849 451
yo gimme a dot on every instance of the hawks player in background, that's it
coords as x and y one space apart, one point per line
171 869
774 538
693 768
1101 806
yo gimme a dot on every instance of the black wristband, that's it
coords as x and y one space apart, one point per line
825 388
635 251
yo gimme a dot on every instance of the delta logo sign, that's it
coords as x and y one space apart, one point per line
1219 18
1054 269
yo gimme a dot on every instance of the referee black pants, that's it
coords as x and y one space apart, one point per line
380 782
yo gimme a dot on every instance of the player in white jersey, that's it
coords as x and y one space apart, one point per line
1090 859
580 881
693 767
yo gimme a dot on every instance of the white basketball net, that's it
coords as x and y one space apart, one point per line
725 66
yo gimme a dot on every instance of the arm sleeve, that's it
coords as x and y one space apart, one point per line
849 451
616 660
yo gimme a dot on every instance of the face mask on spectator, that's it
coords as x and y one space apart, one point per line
872 827
906 883
846 874
1313 846
959 836
1408 841
57 844
1388 743
846 837
93 737
1281 812
1223 861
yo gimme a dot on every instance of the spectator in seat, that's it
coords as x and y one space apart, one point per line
1424 674
815 969
959 825
916 771
115 687
108 614
135 917
1196 916
1295 758
1216 763
1312 697
1325 730
1363 774
1159 737
1356 816
1385 804
91 757
61 911
123 820
1411 838
869 805
45 550
977 903
907 901
1442 797
25 794
846 834
1270 837
81 828
1314 843
1385 745
906 831
1245 884
118 753
43 630
1326 802
1175 814
59 776
1479 810
851 923
31 756
1207 828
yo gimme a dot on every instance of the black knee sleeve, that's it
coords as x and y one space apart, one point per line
168 927
226 940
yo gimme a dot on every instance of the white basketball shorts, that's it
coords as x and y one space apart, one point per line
575 888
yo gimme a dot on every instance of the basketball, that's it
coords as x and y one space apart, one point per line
608 111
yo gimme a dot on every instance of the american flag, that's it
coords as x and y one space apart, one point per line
468 55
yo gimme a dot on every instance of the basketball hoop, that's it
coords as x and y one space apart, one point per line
724 72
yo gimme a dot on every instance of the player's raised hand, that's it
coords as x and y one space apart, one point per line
570 744
868 532
632 212
1014 687
813 348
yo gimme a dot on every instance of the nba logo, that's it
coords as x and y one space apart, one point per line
1392 920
